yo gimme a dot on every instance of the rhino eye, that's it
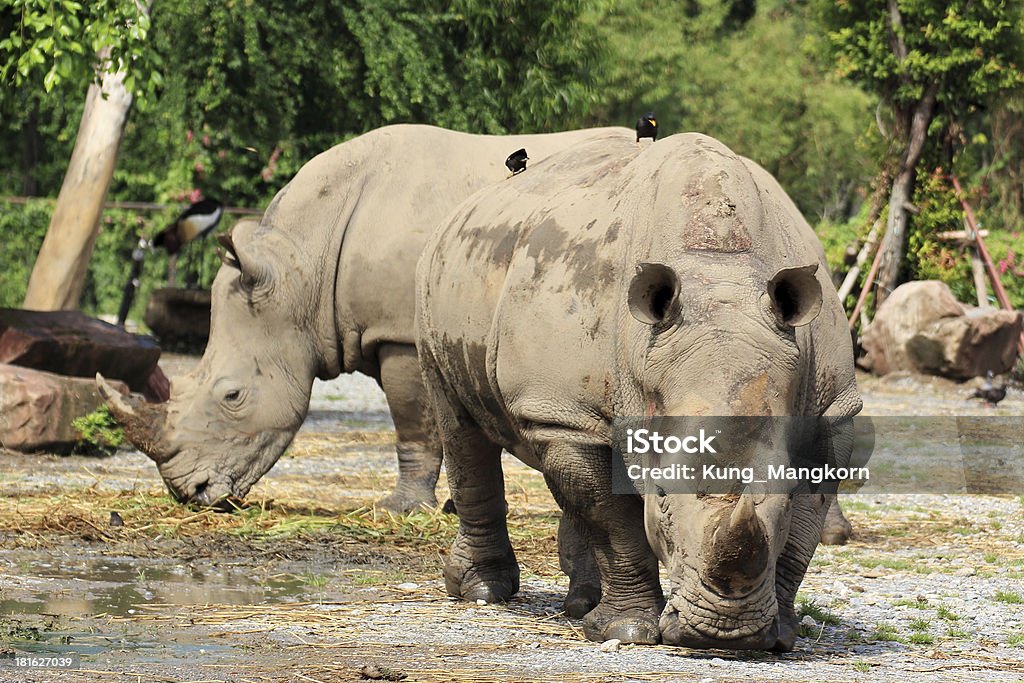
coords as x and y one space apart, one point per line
233 395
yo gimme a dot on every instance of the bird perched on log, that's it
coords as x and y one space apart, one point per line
647 127
195 222
516 161
989 392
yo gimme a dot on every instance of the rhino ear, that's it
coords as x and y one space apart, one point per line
256 273
796 295
653 292
228 255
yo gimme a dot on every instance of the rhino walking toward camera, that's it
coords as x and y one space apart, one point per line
618 280
323 284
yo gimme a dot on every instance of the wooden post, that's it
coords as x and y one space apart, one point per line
997 284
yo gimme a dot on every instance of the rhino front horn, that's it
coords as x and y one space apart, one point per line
739 551
142 422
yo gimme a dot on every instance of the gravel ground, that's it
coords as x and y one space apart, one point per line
930 589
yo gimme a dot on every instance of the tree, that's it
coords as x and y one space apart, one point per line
747 75
99 45
934 64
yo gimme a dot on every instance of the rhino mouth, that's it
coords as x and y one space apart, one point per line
222 482
704 619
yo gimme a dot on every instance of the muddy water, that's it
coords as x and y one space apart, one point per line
70 605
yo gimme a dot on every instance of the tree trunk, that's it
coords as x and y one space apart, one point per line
894 244
59 272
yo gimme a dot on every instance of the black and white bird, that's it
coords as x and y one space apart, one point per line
195 222
989 392
516 161
647 127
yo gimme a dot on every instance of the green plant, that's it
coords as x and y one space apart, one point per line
1009 597
920 625
920 638
822 615
884 632
947 614
99 432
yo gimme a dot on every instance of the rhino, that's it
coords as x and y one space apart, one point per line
611 280
323 284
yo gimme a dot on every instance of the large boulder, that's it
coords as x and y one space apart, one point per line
922 328
37 408
71 343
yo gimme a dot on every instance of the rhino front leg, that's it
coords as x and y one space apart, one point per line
419 453
805 529
576 559
481 564
631 598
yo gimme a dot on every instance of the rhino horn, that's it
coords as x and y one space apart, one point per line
739 552
142 422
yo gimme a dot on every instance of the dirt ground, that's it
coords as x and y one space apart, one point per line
311 583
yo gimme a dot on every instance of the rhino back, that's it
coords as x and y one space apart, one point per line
403 180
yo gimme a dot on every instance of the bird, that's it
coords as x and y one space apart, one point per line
516 161
647 127
195 222
989 392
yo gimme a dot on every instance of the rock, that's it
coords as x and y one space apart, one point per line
481 602
965 571
808 621
611 645
37 408
840 590
407 586
180 316
922 328
71 343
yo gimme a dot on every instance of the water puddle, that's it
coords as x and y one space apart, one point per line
62 607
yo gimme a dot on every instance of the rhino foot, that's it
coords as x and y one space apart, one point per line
581 599
403 500
837 530
491 581
632 626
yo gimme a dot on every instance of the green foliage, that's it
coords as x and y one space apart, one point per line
752 84
930 258
22 228
99 432
970 48
56 41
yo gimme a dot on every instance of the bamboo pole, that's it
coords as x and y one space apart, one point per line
851 277
868 281
997 285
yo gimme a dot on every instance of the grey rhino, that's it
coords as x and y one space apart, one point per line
323 284
616 280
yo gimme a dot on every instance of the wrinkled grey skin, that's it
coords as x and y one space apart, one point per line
613 280
324 284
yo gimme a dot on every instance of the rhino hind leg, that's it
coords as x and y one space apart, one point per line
577 561
837 529
631 599
419 453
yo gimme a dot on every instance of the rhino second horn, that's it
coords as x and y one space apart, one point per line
142 422
739 551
